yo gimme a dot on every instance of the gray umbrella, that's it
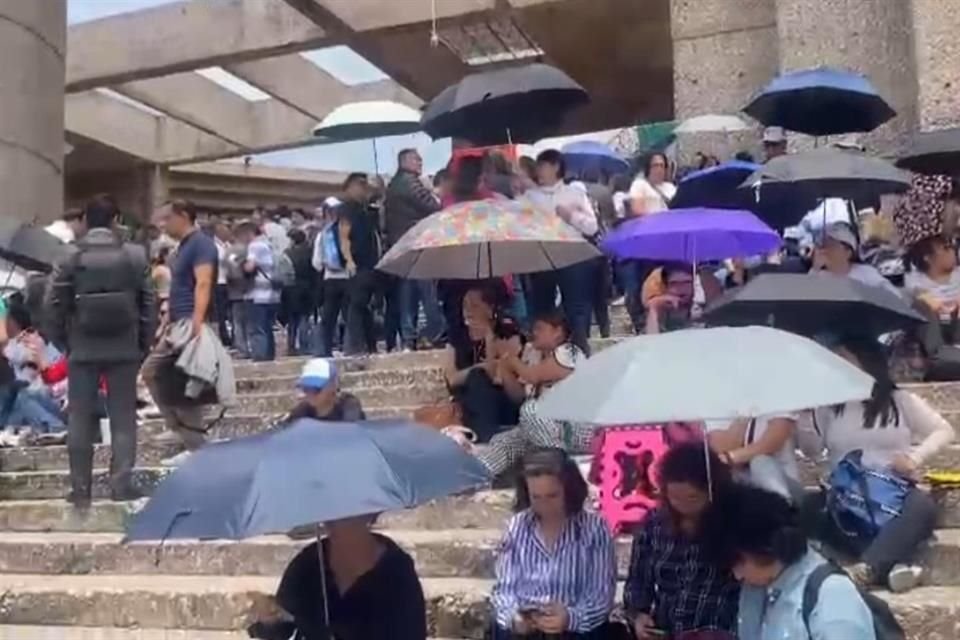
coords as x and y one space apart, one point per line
933 152
29 247
830 173
310 472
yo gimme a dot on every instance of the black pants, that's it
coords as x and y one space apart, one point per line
943 358
334 303
361 337
83 426
897 542
486 407
222 306
390 285
603 283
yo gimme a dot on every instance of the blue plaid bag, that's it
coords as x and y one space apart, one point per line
861 500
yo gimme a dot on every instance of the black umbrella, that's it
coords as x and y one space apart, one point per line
31 248
820 102
809 304
829 173
933 152
516 104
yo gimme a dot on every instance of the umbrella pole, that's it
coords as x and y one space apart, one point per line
323 582
706 441
376 158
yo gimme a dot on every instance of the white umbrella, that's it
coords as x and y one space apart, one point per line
712 123
704 374
369 119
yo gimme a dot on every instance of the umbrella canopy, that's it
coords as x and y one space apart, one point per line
933 152
704 374
310 472
368 119
714 186
812 303
31 248
484 239
586 156
820 102
829 173
712 123
515 104
692 235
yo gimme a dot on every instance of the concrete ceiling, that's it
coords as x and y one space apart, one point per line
149 57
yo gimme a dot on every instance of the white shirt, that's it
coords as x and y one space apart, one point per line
918 283
262 291
222 249
583 218
840 434
649 198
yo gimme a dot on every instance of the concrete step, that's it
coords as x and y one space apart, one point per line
456 607
39 485
351 380
370 397
458 553
33 632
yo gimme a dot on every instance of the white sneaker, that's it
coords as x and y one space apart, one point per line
904 577
177 460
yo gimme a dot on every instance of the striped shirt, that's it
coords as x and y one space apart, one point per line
579 572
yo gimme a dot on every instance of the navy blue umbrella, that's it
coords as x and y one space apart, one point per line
821 102
714 186
310 472
587 156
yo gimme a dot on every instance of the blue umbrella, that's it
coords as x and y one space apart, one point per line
821 102
593 156
307 473
714 186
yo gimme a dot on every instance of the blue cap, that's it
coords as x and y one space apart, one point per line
317 374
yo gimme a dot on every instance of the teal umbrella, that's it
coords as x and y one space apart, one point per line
704 374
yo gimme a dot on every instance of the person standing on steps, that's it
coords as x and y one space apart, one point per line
102 311
193 275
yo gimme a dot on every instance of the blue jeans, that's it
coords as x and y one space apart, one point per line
261 318
37 410
628 276
577 283
241 329
413 293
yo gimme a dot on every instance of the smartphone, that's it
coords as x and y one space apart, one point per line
529 610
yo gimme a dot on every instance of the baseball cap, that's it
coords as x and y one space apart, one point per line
317 374
774 135
332 202
843 233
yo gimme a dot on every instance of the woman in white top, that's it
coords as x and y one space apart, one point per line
764 451
897 432
652 192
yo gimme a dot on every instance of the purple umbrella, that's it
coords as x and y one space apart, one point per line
692 235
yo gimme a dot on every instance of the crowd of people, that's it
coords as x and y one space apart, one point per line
167 310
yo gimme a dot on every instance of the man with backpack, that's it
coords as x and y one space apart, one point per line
329 262
263 298
102 313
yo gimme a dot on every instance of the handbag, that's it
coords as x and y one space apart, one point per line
861 501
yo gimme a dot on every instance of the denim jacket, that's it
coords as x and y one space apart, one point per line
775 612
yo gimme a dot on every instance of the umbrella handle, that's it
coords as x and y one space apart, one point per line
323 583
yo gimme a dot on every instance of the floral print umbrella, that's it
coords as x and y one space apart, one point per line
484 239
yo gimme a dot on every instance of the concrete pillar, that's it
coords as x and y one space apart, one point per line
723 52
32 47
872 37
936 24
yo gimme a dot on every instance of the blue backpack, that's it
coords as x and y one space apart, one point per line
330 239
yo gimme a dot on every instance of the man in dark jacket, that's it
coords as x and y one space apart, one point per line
101 303
408 202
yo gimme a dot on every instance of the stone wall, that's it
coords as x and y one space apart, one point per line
936 42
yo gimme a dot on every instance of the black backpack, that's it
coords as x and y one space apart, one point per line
105 290
885 625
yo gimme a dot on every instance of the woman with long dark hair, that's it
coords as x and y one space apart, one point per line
556 569
883 428
678 585
652 191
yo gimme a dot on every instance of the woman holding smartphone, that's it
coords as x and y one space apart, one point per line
556 568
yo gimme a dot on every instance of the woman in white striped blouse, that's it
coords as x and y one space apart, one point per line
556 568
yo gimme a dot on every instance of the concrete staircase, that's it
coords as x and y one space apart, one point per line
67 577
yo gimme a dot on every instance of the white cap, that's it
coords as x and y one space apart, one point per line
774 135
317 374
332 202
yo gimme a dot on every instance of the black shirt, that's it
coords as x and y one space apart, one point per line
386 603
346 409
363 234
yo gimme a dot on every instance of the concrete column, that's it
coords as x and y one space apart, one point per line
723 52
32 47
936 24
872 37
